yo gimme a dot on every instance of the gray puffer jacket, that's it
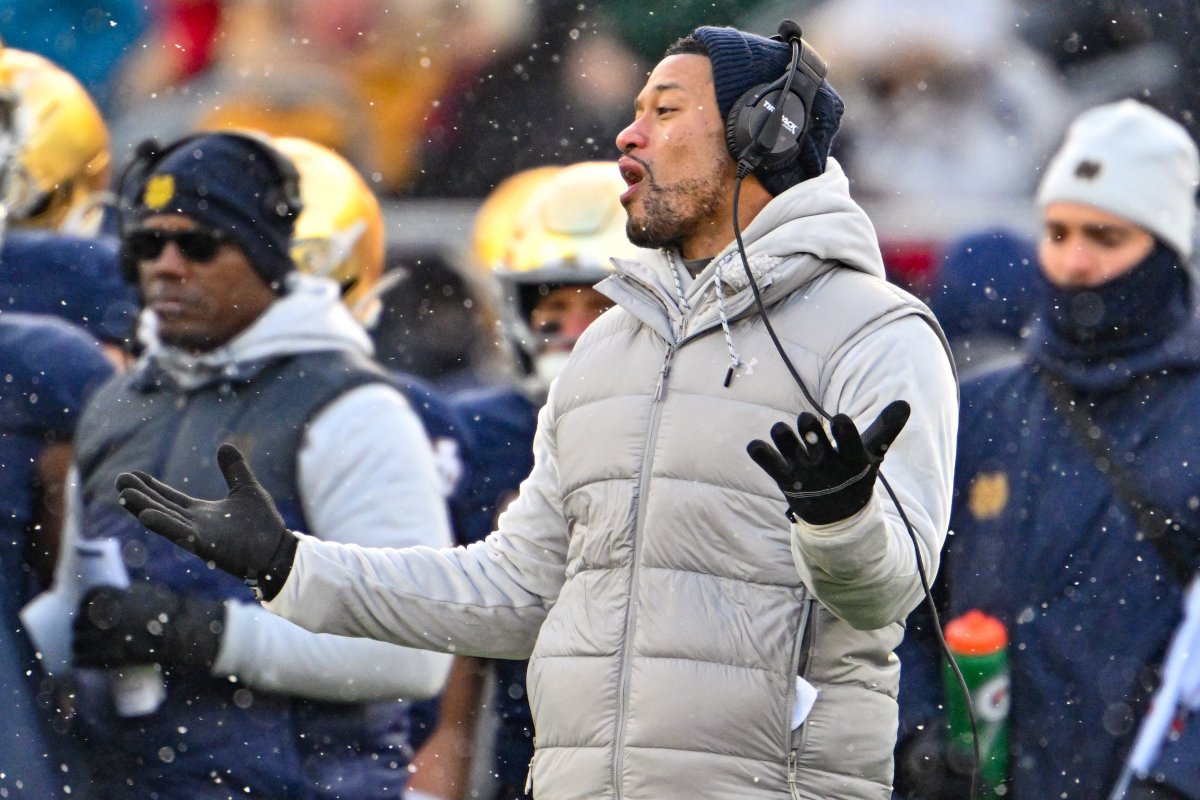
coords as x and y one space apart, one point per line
647 564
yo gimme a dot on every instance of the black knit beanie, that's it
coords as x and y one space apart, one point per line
741 61
227 182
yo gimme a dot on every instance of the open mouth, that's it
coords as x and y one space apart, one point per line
632 172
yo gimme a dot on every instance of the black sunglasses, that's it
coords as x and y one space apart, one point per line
197 244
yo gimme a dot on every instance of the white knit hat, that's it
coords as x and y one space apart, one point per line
1132 161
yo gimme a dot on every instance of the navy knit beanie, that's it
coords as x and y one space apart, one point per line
225 181
741 61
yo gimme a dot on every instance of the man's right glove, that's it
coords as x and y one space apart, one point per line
823 484
243 534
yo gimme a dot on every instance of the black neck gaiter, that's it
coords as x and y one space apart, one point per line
1085 327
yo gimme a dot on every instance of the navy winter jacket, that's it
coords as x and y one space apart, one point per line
1040 539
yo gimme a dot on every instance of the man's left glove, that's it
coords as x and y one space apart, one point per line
242 534
823 484
146 624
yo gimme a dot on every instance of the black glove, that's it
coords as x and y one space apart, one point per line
824 485
146 624
242 534
925 769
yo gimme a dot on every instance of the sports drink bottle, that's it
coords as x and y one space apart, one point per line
979 645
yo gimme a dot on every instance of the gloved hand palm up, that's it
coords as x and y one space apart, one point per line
824 484
243 534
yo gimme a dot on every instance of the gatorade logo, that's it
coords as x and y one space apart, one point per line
988 495
991 700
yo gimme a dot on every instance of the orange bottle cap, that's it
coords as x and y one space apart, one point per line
976 634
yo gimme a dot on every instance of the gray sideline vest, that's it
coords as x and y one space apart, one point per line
278 746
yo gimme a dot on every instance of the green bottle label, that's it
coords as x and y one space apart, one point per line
987 681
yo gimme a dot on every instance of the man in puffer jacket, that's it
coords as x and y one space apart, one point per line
687 638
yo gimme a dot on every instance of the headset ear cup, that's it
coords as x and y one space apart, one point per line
289 188
283 199
735 142
737 122
289 203
749 112
796 115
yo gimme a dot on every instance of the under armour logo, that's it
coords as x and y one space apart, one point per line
1087 170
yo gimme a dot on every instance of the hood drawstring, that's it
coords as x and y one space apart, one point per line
735 360
683 303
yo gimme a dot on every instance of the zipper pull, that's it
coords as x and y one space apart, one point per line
662 374
792 788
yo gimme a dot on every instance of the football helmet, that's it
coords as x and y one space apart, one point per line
497 215
339 234
56 159
566 230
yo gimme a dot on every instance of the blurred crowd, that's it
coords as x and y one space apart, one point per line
953 111
951 108
440 98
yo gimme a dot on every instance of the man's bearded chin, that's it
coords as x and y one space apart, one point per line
659 225
670 213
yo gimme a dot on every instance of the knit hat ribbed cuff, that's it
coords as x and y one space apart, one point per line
225 182
741 61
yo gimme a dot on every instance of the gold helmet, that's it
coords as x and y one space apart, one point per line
570 226
566 230
497 216
339 234
56 150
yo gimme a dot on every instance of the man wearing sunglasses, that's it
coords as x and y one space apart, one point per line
239 347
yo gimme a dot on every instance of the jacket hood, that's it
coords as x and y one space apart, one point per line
816 218
310 317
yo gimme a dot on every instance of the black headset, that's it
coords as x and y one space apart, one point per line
766 125
280 198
